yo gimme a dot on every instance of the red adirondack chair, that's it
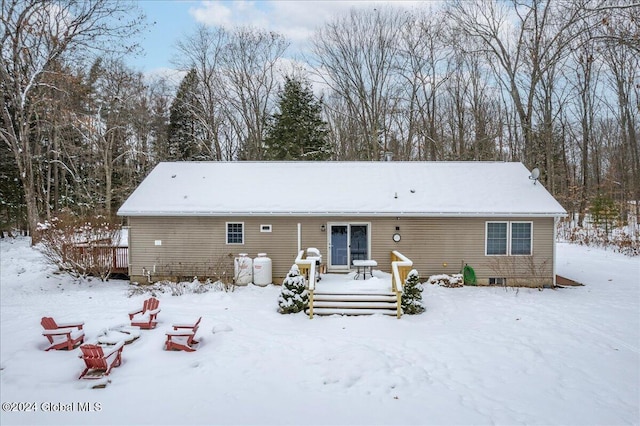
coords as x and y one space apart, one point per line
62 336
98 362
182 337
146 317
193 326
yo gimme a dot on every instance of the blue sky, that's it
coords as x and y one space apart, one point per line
170 20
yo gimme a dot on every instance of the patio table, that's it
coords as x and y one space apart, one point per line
362 266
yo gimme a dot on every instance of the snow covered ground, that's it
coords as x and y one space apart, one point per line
477 355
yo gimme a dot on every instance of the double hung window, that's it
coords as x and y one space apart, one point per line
509 238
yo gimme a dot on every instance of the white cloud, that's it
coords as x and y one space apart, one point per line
296 20
212 13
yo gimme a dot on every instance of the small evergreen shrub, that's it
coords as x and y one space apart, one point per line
412 294
294 296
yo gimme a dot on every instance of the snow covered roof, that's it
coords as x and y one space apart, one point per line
385 188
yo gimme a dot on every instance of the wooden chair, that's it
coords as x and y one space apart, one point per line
62 336
146 317
182 337
193 326
99 363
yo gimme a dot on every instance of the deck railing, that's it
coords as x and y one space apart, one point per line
307 268
98 257
400 267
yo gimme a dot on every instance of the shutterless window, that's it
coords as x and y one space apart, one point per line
235 233
496 238
521 238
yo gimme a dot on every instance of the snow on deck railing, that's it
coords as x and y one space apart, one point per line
307 268
400 267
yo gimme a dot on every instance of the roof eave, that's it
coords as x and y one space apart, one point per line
337 214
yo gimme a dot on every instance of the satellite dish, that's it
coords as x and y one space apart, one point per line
535 174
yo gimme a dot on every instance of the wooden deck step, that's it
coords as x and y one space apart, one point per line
345 311
360 304
355 303
388 297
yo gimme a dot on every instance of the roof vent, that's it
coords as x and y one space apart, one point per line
388 156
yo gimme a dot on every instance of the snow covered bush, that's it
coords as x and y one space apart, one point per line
171 287
294 296
444 280
81 246
412 294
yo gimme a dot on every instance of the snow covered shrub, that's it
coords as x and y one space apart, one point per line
170 287
412 294
522 271
294 296
81 246
444 280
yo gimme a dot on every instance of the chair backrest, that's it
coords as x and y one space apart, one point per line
196 325
48 323
150 304
93 356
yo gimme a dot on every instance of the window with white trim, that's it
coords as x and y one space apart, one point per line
496 243
235 233
521 237
509 238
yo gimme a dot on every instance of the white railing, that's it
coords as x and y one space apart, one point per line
400 267
307 268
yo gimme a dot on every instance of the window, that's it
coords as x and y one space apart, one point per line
235 233
521 238
496 238
497 281
265 228
513 238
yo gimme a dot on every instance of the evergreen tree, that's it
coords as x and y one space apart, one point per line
412 294
294 296
297 132
182 141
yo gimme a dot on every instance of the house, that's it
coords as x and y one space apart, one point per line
188 218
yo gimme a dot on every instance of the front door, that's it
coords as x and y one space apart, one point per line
347 242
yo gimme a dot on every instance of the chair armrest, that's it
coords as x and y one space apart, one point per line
190 326
137 311
154 311
116 348
193 325
177 333
58 332
77 324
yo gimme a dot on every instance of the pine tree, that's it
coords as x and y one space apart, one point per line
297 132
294 296
412 294
182 131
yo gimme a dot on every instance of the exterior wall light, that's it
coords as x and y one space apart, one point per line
323 228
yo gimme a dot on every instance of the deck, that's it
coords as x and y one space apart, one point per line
345 283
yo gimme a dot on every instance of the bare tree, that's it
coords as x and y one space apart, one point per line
202 52
524 42
423 72
34 34
358 55
251 81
